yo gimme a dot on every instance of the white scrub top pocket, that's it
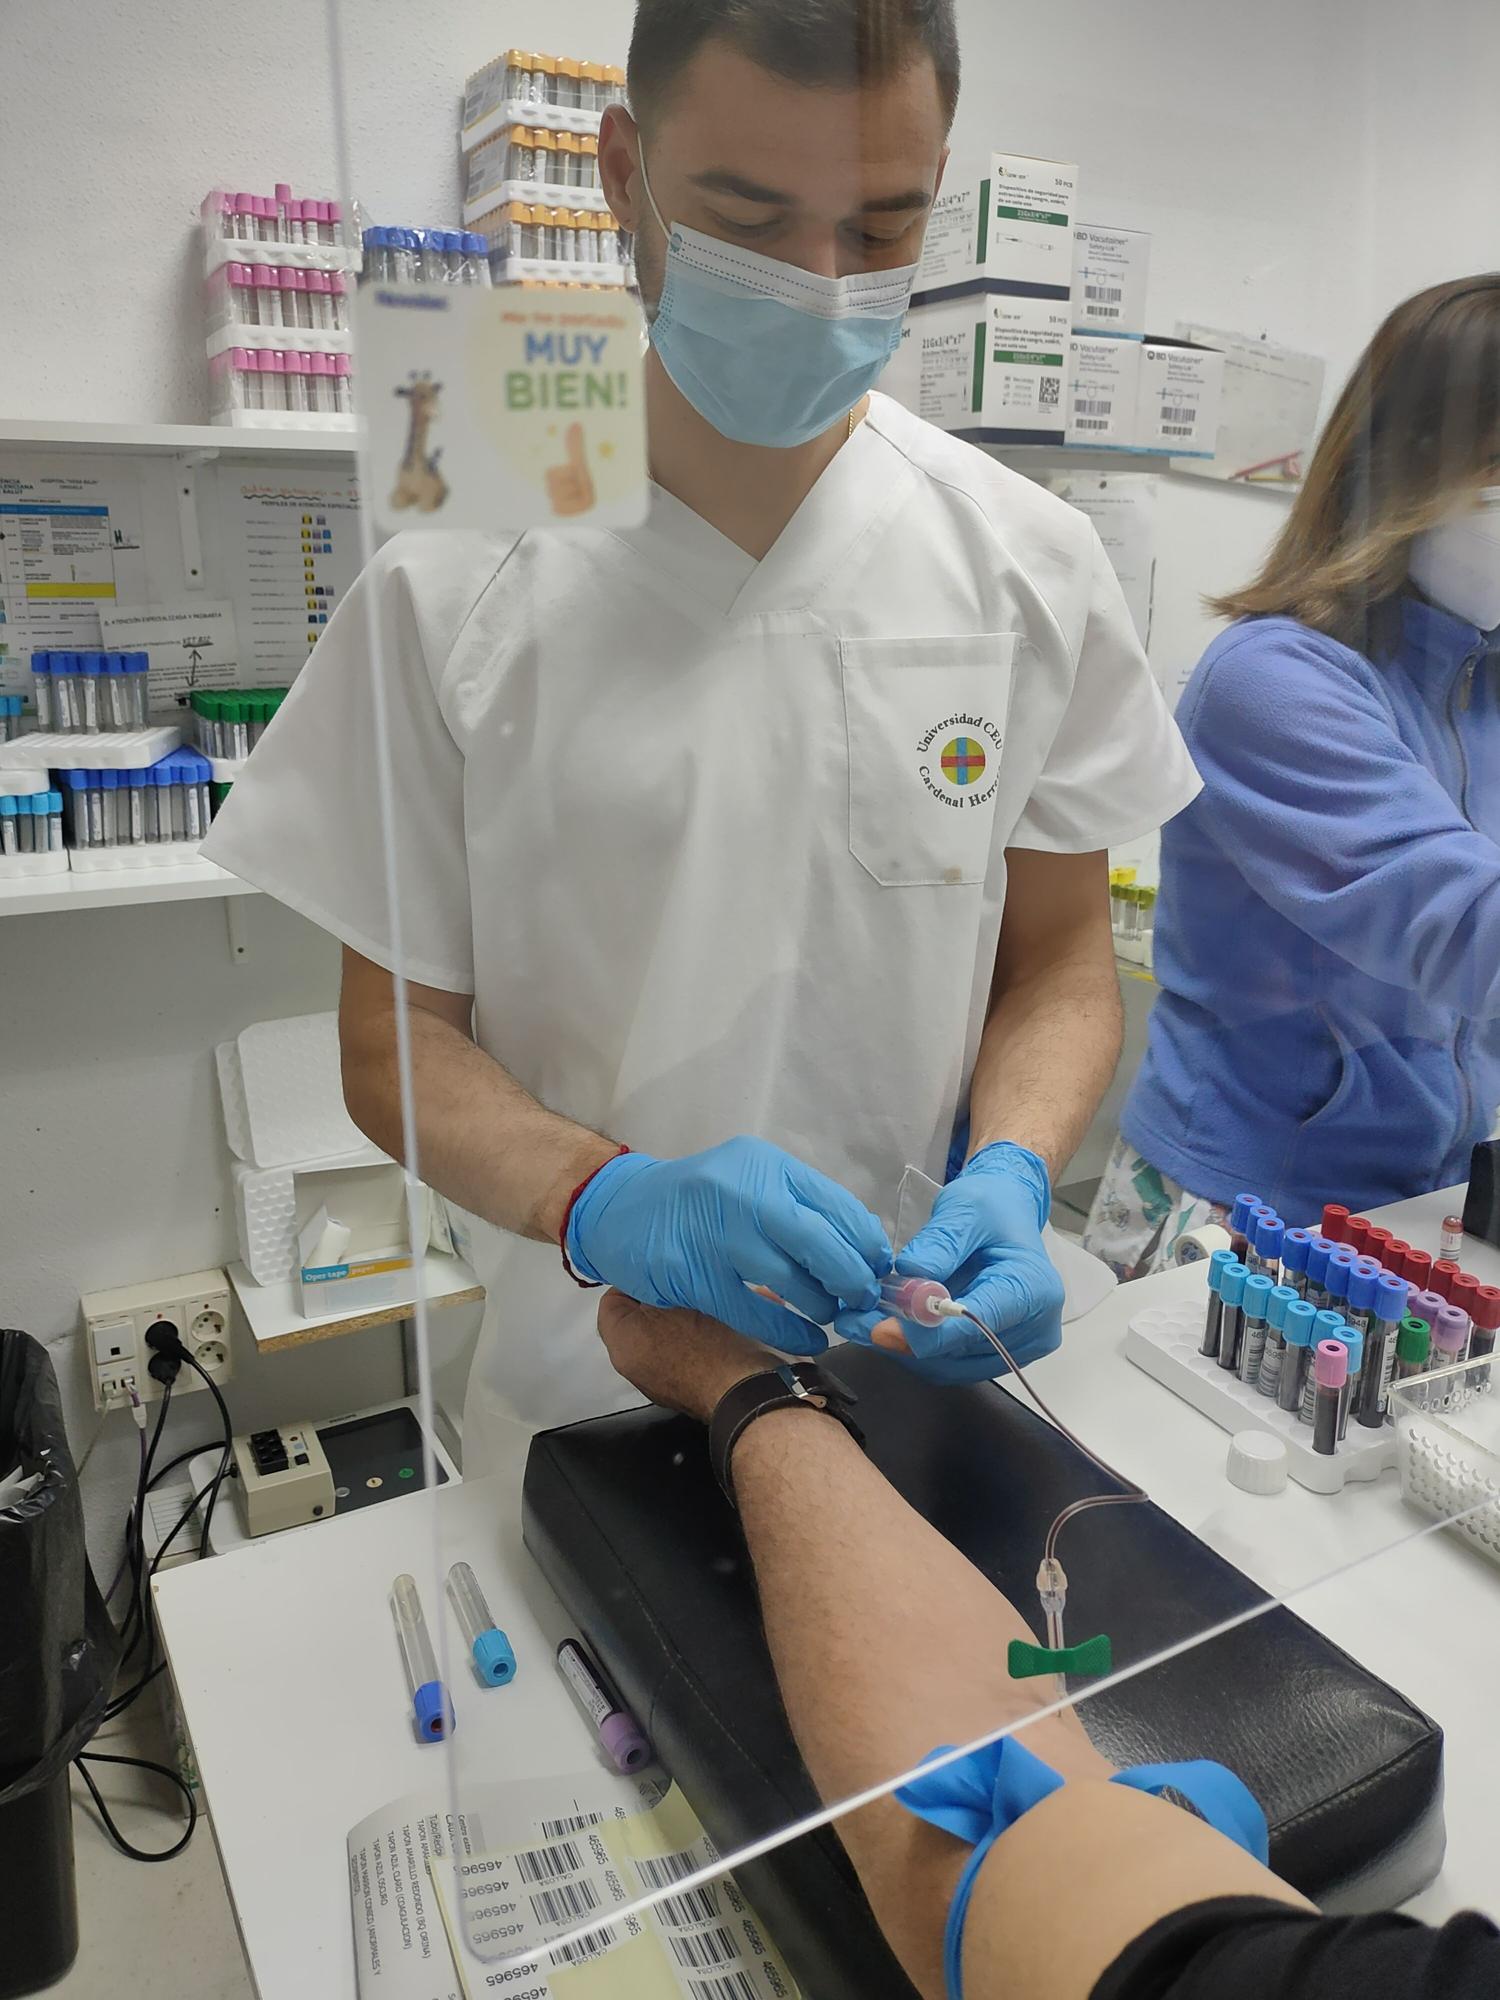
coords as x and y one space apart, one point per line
926 721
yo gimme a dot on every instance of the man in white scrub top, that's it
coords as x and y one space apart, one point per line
767 840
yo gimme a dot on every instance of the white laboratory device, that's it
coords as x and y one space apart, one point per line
284 1479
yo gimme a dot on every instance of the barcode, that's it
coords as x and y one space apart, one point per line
723 1986
1104 312
1171 414
701 1951
545 1864
656 1871
1103 292
1093 406
693 1906
1091 424
565 1904
1177 430
593 1944
580 1823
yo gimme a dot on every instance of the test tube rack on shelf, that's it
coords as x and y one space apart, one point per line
31 839
1164 1342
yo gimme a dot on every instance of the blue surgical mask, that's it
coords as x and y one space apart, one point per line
766 352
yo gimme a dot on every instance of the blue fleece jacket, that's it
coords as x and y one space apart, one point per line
1328 930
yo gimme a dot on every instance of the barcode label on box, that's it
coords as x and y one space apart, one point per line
1178 414
703 1951
1177 430
657 1870
1102 293
555 1829
1094 406
545 1864
1091 423
1104 312
1051 390
566 1904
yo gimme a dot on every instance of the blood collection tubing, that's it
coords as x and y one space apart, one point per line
1052 1582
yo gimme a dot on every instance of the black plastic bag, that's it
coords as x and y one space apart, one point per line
58 1655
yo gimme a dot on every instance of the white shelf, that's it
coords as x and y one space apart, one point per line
275 1321
40 435
189 882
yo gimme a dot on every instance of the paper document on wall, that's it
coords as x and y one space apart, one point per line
1268 417
70 545
191 644
1122 507
291 553
445 1903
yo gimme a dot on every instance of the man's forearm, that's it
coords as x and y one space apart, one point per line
886 1642
481 1139
1047 1056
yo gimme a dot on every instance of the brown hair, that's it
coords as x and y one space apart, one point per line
1416 429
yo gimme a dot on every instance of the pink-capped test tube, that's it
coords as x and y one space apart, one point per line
283 221
325 222
320 296
338 301
272 379
218 212
267 295
242 292
322 384
295 378
244 218
343 387
250 378
302 295
266 213
335 220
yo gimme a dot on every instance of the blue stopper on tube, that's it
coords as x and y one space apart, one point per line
1282 1297
1218 1264
494 1658
1362 1287
1298 1327
1390 1298
1295 1245
1240 1214
1319 1250
1232 1284
1269 1232
433 1710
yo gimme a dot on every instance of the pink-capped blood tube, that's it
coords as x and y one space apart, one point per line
918 1299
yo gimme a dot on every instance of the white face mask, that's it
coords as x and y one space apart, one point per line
1457 563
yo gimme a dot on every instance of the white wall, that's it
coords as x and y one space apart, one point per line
1301 167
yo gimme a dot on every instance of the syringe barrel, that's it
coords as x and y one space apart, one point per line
417 1655
915 1299
468 1603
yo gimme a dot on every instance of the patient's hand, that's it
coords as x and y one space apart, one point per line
682 1360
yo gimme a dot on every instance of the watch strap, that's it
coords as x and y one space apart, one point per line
781 1388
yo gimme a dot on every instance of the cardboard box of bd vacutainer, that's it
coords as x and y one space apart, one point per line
989 367
1111 270
1104 392
1182 385
1008 224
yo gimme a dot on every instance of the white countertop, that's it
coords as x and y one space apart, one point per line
286 1664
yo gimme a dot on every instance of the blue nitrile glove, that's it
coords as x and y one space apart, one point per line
984 1242
699 1231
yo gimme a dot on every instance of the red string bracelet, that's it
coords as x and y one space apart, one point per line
585 1284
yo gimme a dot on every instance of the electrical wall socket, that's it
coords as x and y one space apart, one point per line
117 1322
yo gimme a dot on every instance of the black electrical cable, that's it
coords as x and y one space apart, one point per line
133 1625
85 1758
228 1452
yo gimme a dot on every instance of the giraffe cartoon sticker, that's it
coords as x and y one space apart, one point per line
418 481
502 409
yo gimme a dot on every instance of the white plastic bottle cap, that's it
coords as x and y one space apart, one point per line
1257 1462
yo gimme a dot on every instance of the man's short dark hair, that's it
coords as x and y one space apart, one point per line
838 44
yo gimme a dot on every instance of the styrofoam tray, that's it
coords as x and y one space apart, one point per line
91 750
1163 1340
225 770
543 194
134 855
20 783
15 867
294 1093
559 271
289 420
219 250
520 111
298 339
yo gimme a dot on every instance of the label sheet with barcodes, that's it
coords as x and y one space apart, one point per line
473 1903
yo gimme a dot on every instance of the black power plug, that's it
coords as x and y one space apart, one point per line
166 1360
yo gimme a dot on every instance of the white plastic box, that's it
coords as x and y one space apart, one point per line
1010 225
991 367
1182 385
1111 273
1104 388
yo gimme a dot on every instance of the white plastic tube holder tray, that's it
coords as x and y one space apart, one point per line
534 194
287 420
297 339
556 270
92 750
15 867
1164 1341
516 111
219 250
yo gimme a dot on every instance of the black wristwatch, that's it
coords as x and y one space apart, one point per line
779 1388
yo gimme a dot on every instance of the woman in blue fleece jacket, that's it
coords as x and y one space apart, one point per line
1328 930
